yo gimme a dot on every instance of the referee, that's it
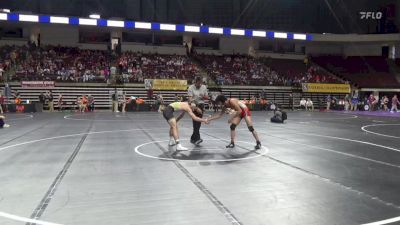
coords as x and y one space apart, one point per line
197 92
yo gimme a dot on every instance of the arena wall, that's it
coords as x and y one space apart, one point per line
178 50
59 35
362 50
235 45
281 56
324 49
19 42
89 46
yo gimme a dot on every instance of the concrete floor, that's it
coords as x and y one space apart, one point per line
104 168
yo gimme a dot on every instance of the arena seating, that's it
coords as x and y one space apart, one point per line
67 64
298 72
57 63
372 71
245 70
135 67
239 70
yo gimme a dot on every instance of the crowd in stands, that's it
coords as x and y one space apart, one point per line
369 71
135 67
246 70
69 64
297 71
66 64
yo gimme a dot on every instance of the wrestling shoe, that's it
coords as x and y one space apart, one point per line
231 145
171 142
179 147
258 146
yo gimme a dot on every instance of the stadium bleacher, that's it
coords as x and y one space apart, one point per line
370 71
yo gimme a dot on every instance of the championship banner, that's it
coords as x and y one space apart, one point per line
37 84
326 88
166 84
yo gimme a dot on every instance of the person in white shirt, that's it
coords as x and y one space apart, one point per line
303 103
309 105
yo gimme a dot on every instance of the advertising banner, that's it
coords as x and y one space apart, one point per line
38 84
166 84
326 88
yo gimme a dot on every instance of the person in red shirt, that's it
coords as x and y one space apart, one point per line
241 111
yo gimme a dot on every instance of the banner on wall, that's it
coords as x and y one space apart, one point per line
326 88
37 84
165 84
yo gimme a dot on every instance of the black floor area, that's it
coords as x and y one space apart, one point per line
105 168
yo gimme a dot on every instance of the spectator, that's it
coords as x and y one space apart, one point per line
346 102
291 105
50 99
123 102
385 102
177 98
1 103
42 99
60 102
303 103
114 98
354 101
17 97
328 102
90 103
1 72
395 103
372 102
78 103
84 103
309 105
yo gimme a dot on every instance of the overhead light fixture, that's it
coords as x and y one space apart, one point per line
59 19
94 16
142 25
215 30
237 32
192 28
28 18
259 33
84 21
5 10
115 23
167 26
3 16
280 35
300 37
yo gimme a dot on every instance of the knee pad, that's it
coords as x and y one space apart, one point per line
251 129
233 126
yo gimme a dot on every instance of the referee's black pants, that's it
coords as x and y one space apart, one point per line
196 125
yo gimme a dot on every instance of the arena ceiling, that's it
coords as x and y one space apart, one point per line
311 16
